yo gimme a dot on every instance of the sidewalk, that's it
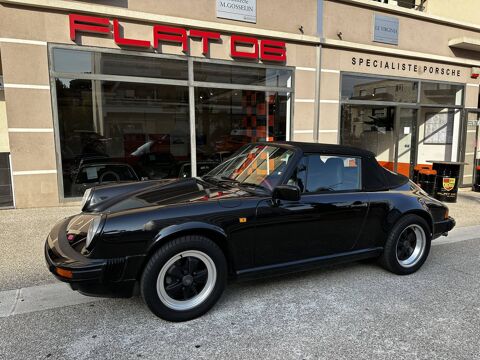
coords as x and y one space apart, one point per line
466 211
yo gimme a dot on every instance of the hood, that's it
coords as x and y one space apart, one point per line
160 193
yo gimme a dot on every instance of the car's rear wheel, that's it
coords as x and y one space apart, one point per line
184 278
407 246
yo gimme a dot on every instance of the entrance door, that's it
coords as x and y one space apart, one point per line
472 148
387 131
405 128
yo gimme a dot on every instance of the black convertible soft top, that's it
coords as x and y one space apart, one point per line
326 148
374 176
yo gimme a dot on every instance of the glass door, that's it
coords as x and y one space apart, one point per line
387 131
405 126
472 149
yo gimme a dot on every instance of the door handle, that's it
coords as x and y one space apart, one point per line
359 204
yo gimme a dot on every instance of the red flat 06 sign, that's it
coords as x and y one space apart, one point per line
242 47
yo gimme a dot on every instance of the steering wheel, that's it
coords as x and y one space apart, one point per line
109 176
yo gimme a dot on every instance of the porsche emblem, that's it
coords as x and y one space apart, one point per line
448 183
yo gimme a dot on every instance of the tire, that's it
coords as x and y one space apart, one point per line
407 245
184 278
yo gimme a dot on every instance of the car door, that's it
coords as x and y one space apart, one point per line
327 220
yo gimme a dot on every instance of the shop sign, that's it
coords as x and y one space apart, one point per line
404 66
241 47
242 10
385 29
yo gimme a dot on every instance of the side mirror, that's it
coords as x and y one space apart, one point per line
286 192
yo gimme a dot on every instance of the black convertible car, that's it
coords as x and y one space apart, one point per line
270 208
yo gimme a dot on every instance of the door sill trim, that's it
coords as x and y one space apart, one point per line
312 262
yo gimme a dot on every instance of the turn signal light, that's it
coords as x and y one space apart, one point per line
64 273
446 214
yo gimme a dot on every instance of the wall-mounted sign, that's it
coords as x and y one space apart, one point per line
244 47
242 10
404 66
385 29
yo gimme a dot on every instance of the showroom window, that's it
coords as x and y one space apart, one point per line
123 117
403 122
366 88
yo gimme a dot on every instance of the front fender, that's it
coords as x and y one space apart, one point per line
176 230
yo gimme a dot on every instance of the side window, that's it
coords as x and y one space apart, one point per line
333 173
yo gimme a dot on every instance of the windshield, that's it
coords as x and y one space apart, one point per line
254 165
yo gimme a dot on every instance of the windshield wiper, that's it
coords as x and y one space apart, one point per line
257 186
226 178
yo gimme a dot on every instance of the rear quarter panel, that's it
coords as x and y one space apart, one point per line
386 208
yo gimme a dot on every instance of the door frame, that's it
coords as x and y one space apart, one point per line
463 144
414 132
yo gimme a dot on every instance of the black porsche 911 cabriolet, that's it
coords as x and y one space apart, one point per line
270 208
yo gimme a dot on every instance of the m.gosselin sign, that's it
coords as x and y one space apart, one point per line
404 66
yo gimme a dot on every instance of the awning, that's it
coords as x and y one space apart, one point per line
465 43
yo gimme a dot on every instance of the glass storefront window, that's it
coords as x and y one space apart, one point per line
245 75
135 129
72 61
228 119
387 131
370 128
79 61
378 89
120 131
402 135
441 94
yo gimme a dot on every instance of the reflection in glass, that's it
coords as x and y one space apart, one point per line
255 165
441 94
119 131
378 89
227 119
80 61
144 66
471 170
244 75
72 61
370 128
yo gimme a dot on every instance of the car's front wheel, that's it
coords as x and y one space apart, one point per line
184 278
407 246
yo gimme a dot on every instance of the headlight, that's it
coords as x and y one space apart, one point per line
93 230
87 195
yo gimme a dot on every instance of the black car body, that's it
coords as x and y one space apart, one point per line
296 220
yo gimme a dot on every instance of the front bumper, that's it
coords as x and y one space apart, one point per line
95 277
443 227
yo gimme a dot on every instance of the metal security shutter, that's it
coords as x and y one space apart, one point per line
6 193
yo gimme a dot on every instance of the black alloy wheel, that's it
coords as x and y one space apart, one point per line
184 278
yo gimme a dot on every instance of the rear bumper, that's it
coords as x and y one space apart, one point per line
94 277
443 227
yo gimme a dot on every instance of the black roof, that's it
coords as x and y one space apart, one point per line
307 147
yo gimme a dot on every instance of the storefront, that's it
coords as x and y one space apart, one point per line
393 86
115 94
